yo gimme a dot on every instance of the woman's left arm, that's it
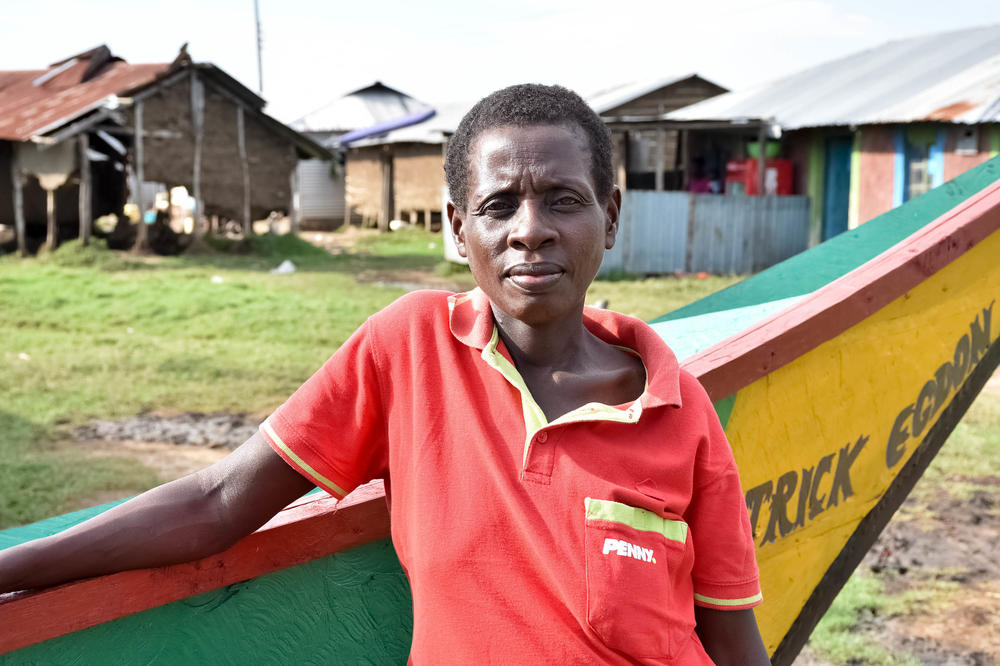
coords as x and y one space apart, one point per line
730 637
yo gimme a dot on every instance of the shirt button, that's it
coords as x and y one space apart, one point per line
542 437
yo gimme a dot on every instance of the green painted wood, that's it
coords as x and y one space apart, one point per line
810 270
352 607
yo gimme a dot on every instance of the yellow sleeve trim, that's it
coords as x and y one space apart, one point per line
313 475
729 602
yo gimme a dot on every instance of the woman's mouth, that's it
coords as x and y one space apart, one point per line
535 277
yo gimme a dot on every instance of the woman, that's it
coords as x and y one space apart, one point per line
560 491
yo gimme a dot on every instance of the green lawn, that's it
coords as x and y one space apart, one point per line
90 333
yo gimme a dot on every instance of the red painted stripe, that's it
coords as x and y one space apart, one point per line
740 360
308 529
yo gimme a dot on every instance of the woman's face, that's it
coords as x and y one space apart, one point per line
534 231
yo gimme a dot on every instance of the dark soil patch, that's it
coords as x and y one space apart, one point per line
214 430
940 554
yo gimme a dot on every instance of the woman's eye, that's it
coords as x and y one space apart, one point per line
497 208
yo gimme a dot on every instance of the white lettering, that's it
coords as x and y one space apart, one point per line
625 549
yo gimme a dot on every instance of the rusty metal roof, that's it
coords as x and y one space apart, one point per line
951 77
34 102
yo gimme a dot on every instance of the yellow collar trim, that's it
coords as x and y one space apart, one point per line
534 417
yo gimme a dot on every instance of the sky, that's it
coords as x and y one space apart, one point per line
314 51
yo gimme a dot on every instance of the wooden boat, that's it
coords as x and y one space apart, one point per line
838 375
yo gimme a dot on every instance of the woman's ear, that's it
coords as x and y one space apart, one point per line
456 218
612 210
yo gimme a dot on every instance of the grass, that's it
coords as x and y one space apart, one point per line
86 332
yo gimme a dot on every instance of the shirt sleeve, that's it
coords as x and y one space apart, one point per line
725 570
332 429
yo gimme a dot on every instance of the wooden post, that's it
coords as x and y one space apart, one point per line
385 213
51 233
761 157
661 157
685 158
17 181
86 204
427 219
141 238
245 170
295 203
197 126
658 176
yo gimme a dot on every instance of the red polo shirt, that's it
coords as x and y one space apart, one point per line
585 540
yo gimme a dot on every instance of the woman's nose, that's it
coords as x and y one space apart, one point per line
531 227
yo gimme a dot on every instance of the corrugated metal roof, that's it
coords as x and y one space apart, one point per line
434 130
31 104
610 98
952 76
371 105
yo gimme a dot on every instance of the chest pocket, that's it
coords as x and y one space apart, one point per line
639 589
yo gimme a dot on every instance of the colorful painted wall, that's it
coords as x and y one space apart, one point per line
878 163
875 164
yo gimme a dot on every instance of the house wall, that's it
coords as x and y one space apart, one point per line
363 180
876 172
170 160
667 98
988 146
418 176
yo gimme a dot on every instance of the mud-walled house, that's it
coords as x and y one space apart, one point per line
322 184
78 137
395 167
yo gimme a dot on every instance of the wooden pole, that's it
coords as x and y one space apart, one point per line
51 233
17 181
761 157
385 213
197 127
141 238
86 203
295 205
661 155
244 169
427 219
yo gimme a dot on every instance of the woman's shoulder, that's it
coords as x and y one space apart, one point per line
422 312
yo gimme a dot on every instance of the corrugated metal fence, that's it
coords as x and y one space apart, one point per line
664 232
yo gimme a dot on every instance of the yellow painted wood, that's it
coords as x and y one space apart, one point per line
830 400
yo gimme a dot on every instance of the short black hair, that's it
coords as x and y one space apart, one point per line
525 105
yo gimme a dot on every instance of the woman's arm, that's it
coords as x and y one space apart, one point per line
730 637
192 517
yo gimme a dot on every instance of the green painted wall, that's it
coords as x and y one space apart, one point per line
814 186
810 270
